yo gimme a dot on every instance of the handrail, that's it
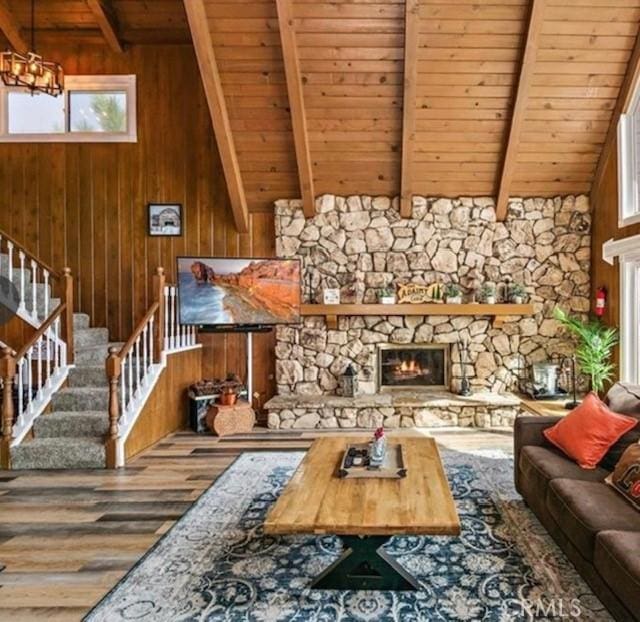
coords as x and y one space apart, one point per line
44 265
138 330
42 330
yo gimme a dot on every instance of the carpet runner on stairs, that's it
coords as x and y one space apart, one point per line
71 436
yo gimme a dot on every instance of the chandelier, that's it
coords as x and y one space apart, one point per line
31 70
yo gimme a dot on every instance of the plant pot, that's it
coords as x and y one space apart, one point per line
490 300
387 300
517 300
228 399
454 300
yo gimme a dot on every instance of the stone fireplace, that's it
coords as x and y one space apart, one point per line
417 367
360 244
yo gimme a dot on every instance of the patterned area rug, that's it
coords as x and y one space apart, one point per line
215 564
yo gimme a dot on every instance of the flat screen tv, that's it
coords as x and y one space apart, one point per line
216 291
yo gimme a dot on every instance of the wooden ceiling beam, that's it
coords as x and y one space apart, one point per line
105 17
627 89
296 105
411 35
519 107
203 44
11 29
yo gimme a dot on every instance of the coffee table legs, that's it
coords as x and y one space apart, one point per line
364 566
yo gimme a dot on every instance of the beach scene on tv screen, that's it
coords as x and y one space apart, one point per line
238 291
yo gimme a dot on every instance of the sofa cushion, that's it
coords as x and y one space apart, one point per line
589 431
625 478
625 399
583 509
617 560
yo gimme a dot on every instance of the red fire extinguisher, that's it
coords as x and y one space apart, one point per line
601 301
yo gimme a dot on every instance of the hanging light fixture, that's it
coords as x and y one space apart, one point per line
30 70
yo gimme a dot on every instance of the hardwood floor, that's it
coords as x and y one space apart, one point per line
67 537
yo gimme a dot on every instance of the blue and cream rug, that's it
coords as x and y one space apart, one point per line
215 564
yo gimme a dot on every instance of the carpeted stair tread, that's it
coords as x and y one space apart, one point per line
72 424
81 398
86 337
94 355
59 453
88 376
80 321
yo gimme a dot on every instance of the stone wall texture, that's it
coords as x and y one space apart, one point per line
360 243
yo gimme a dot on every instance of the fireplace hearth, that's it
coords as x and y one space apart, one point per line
413 367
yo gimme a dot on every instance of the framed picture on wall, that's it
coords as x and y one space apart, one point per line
165 219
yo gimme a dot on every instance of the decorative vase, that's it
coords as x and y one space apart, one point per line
517 300
490 300
377 449
228 398
454 300
387 300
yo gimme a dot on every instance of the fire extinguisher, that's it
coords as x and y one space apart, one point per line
601 301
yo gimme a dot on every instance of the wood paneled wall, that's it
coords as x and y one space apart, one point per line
166 410
605 227
84 205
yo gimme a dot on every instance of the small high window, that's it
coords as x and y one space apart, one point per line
92 109
629 164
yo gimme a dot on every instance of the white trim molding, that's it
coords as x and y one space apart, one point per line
629 163
81 84
627 251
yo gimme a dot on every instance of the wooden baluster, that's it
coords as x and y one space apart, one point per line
23 295
67 324
46 293
137 355
7 373
158 293
144 354
113 369
172 322
151 338
38 346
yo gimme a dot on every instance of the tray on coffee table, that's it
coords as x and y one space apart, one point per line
393 467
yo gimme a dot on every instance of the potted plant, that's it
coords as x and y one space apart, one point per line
488 293
595 346
228 396
387 295
516 293
453 293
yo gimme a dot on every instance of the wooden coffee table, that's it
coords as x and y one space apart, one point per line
366 513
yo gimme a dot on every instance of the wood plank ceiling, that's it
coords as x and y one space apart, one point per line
456 100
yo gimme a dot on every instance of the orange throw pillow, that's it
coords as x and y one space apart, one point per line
588 431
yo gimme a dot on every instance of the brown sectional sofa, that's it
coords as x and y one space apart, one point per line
597 529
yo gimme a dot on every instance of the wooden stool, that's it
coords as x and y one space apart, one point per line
237 419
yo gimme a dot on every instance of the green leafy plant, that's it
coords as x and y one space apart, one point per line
487 290
386 292
595 346
452 290
516 290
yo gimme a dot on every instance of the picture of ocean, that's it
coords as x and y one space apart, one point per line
204 301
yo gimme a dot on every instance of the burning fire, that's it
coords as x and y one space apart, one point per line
410 366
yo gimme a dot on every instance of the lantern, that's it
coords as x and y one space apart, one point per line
349 382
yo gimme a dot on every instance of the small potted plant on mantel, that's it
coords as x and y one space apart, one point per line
488 293
516 293
453 294
387 295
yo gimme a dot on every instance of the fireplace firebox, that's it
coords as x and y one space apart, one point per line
413 367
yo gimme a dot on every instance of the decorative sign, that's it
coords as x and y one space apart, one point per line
413 293
331 296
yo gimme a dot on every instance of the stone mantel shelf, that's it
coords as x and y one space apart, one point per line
496 311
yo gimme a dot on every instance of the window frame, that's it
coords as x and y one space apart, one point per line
628 161
630 316
123 83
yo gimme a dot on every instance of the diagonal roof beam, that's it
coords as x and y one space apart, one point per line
203 44
11 29
627 88
411 33
296 105
105 15
519 107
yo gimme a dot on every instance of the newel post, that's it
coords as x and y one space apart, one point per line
67 327
7 373
113 369
158 294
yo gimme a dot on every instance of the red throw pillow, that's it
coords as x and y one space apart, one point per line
588 431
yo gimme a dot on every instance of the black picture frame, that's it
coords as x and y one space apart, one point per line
157 229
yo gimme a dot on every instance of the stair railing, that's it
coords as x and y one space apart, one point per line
133 370
29 275
29 380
